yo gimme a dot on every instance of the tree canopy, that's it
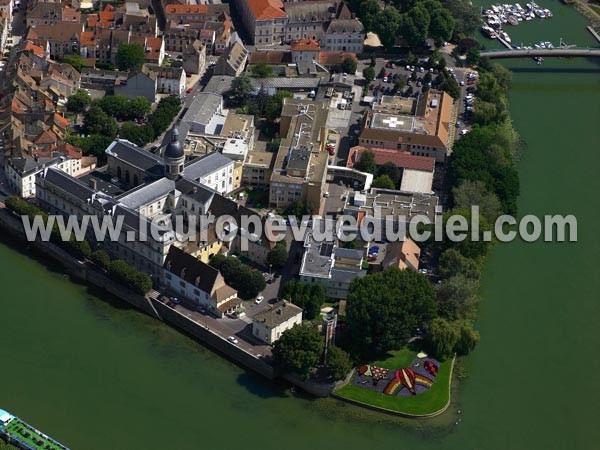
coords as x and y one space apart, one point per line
278 256
349 65
262 70
338 363
366 162
79 101
384 319
309 297
299 350
238 275
98 122
130 56
383 182
239 92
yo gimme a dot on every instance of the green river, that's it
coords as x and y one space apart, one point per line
97 375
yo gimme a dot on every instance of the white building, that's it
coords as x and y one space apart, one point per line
269 325
235 149
204 115
212 170
169 80
21 172
198 282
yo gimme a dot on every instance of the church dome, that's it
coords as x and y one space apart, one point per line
174 149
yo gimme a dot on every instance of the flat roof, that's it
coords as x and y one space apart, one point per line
396 122
416 181
299 158
383 202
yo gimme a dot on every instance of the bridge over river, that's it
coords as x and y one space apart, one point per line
543 52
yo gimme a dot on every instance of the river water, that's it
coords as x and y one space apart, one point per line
96 374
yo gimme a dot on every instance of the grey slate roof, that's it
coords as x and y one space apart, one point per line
285 83
147 193
26 166
204 106
136 156
278 313
350 253
346 275
194 190
219 84
67 183
205 165
190 269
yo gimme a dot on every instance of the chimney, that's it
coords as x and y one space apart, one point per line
94 184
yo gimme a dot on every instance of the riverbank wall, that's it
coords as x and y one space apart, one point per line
92 275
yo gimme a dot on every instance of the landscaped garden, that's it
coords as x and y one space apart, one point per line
405 382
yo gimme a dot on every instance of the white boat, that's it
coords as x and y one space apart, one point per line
505 36
513 20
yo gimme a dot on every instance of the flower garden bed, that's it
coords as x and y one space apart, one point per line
402 383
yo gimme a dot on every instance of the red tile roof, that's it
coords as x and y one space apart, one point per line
46 137
70 150
333 58
270 57
266 9
36 49
186 9
307 45
399 158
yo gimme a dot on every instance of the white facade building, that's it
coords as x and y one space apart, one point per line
212 170
21 172
270 324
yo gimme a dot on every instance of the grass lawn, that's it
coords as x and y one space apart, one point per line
595 7
426 402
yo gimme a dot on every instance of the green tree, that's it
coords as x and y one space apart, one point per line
457 297
485 113
369 74
383 182
399 84
308 297
349 65
467 339
391 170
466 15
101 258
441 26
452 263
77 61
442 337
130 56
262 70
295 209
299 350
379 319
386 24
97 122
114 105
473 56
278 256
139 107
79 249
240 91
451 87
139 135
275 105
475 193
367 162
79 101
339 363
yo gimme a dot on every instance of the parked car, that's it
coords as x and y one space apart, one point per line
175 300
259 299
233 340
